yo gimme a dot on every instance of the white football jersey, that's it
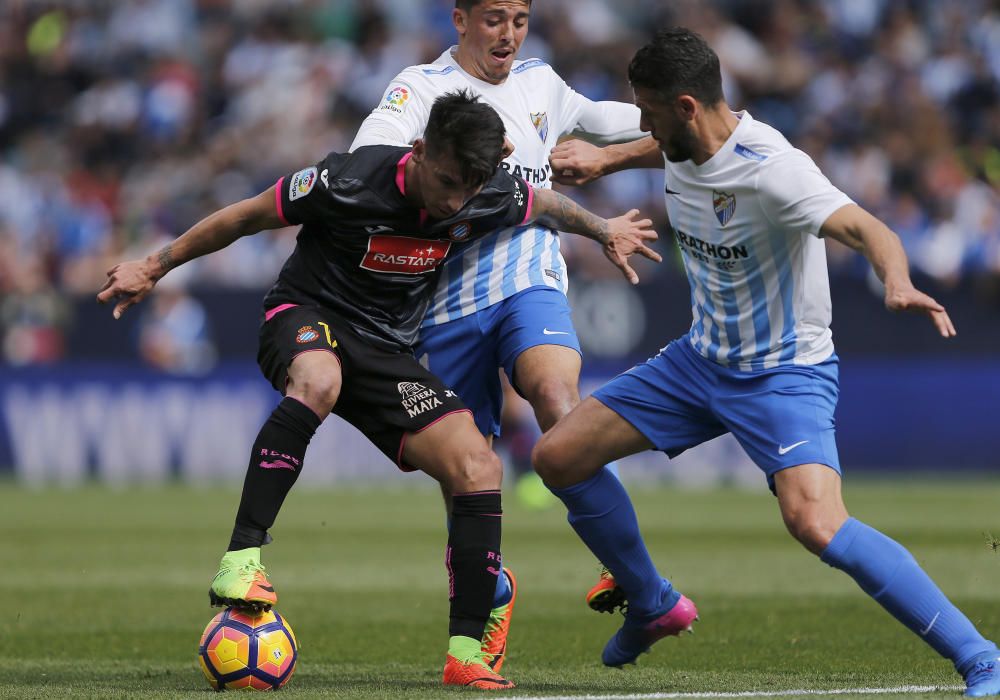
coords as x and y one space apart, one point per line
537 108
747 222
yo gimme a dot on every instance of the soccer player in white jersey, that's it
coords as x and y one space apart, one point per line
749 212
502 301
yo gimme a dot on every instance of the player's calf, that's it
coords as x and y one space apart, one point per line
242 582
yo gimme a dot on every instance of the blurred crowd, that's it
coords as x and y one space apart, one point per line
123 122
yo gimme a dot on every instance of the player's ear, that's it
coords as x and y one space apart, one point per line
686 106
460 20
419 151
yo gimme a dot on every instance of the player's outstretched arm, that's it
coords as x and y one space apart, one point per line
857 229
129 282
621 237
576 162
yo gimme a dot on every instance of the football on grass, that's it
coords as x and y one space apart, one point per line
242 649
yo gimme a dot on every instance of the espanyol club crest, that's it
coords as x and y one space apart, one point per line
724 204
460 231
306 334
540 120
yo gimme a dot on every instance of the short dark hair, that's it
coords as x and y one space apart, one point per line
469 4
467 130
678 62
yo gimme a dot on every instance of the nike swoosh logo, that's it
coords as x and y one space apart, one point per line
923 633
670 191
546 331
785 450
269 589
378 229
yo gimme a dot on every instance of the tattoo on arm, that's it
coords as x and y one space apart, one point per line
559 211
165 258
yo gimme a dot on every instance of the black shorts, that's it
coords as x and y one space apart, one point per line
384 394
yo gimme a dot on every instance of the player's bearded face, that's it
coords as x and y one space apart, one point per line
666 124
491 34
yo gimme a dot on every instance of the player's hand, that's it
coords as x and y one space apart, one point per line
128 283
626 237
576 162
912 299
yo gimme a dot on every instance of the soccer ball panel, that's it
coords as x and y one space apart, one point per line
229 650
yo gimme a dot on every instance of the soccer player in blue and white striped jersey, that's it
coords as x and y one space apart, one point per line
749 212
501 301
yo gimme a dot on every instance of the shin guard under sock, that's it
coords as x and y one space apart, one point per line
887 572
275 463
473 561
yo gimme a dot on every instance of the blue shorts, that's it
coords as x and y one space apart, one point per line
467 352
782 417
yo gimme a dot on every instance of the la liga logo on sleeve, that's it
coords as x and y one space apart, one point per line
396 99
301 184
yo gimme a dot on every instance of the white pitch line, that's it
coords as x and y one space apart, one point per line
900 690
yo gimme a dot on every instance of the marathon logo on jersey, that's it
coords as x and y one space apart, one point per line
724 257
417 398
301 184
306 334
395 100
460 231
534 176
724 205
540 120
404 255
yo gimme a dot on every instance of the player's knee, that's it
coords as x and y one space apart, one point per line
318 390
810 528
474 469
553 396
548 460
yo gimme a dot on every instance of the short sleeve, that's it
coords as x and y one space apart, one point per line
398 119
505 201
302 197
795 195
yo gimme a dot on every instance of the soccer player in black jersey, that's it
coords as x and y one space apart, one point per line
339 323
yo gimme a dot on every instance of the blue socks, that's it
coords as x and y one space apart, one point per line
887 572
601 512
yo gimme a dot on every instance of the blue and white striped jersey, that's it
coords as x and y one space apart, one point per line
747 223
537 108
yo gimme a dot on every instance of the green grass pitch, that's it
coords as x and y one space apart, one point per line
105 592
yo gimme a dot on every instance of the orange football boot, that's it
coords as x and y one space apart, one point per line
495 637
474 674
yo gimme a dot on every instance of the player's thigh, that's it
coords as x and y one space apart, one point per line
454 452
462 355
783 417
589 437
389 396
299 355
537 343
667 399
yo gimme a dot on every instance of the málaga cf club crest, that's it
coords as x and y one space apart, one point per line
540 120
724 204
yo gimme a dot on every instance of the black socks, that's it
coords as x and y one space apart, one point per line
275 463
473 561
